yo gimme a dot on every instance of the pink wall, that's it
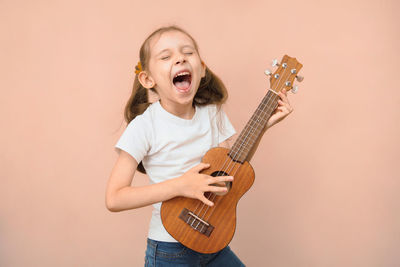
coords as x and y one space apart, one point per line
327 177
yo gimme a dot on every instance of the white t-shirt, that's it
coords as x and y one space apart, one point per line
169 146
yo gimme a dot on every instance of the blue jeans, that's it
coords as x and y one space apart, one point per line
159 253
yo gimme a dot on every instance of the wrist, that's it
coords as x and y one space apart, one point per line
177 186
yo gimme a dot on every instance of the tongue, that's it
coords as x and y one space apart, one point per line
184 85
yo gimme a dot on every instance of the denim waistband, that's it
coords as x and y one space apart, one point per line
153 243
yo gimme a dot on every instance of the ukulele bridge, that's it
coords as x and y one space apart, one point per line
196 222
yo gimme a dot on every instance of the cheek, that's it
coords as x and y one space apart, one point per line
165 73
199 66
161 74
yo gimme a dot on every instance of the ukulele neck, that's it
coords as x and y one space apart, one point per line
254 127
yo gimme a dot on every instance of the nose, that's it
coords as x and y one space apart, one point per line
180 59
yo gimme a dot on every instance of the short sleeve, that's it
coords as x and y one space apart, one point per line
136 139
224 126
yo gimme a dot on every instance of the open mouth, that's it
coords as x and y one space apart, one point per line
182 81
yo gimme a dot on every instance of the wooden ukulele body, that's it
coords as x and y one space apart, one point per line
188 222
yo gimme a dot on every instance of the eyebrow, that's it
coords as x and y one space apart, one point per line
166 49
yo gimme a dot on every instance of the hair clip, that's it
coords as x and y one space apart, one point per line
138 68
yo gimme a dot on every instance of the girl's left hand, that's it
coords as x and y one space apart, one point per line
283 109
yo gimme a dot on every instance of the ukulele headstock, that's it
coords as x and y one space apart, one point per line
284 75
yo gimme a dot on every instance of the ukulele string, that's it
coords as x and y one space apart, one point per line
251 129
200 202
218 174
234 165
243 142
273 98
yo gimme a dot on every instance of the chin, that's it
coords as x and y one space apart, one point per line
185 100
186 96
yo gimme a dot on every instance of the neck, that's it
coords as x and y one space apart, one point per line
184 111
254 127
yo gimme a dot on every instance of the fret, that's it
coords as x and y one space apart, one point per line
254 127
244 149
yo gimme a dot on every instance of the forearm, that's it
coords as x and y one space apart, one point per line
139 196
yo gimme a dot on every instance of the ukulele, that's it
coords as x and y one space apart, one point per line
208 229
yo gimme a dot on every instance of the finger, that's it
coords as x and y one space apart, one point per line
286 107
284 96
222 178
200 167
283 92
206 200
283 110
216 188
219 184
282 106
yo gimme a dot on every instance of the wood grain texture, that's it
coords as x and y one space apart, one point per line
223 213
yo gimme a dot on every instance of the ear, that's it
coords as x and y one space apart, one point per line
146 80
203 69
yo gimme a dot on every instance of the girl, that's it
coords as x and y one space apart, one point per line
167 139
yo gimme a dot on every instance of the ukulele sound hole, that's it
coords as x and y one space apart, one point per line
227 184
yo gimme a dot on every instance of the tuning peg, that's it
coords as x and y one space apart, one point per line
267 72
295 89
299 78
275 63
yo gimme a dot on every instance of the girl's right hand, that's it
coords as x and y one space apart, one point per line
193 184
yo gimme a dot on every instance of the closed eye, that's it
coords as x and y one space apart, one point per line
167 57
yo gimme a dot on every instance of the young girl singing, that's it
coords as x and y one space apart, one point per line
167 139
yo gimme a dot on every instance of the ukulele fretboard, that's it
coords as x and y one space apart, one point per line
254 127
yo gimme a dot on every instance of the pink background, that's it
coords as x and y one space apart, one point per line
327 177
